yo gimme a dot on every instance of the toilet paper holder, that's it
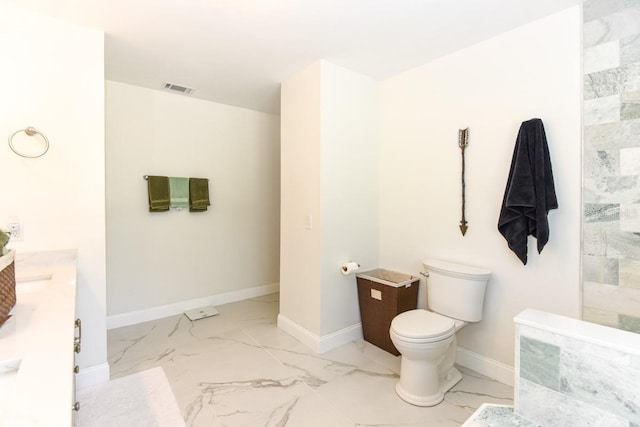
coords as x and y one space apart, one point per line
349 267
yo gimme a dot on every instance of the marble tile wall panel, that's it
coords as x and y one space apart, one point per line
600 269
617 299
611 161
631 97
538 334
551 408
630 218
601 57
611 135
597 212
623 245
630 161
612 189
630 108
605 109
540 362
612 82
594 241
629 323
615 26
595 9
629 50
629 111
629 273
601 383
599 163
601 317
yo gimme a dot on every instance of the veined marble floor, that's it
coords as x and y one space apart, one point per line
239 369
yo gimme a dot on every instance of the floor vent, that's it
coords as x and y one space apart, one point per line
178 88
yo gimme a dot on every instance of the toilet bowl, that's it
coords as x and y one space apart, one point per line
426 339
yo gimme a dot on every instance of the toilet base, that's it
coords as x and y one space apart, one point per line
446 383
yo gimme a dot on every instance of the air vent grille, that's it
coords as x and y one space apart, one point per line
178 88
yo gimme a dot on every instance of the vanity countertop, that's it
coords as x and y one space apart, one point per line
36 343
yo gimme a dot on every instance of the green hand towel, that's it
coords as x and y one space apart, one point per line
158 188
178 192
198 194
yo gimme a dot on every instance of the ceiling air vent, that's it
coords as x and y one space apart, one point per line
178 88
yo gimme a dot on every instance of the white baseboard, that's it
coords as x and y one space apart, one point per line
483 365
340 338
92 375
320 344
153 313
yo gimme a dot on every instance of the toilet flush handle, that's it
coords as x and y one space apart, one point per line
424 273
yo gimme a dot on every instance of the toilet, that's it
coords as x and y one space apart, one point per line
426 339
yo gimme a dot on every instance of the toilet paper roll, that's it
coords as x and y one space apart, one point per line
349 267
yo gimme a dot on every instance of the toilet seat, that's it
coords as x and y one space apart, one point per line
422 326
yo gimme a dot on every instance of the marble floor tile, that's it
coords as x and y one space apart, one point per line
239 369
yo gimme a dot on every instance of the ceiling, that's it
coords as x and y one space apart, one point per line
238 51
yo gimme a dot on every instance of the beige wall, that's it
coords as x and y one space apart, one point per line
532 71
157 259
300 281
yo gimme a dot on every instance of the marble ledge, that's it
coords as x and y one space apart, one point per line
624 341
492 415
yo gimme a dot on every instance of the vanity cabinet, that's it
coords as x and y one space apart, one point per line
38 343
77 348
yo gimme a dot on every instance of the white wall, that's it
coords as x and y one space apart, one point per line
491 87
54 81
155 259
329 126
349 182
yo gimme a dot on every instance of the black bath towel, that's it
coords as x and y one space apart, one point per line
530 193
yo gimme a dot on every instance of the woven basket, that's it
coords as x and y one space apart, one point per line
377 314
7 289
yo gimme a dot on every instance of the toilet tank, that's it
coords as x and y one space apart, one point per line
456 290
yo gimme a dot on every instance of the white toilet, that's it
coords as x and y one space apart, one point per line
426 339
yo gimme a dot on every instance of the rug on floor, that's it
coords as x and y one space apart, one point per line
142 399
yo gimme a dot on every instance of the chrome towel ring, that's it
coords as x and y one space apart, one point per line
30 131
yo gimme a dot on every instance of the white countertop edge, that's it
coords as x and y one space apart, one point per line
606 336
42 389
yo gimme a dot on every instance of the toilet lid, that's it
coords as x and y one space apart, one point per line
422 325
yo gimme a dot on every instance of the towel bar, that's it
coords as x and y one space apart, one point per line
146 178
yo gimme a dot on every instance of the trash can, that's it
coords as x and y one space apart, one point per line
382 295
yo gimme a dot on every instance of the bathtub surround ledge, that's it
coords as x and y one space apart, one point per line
575 373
